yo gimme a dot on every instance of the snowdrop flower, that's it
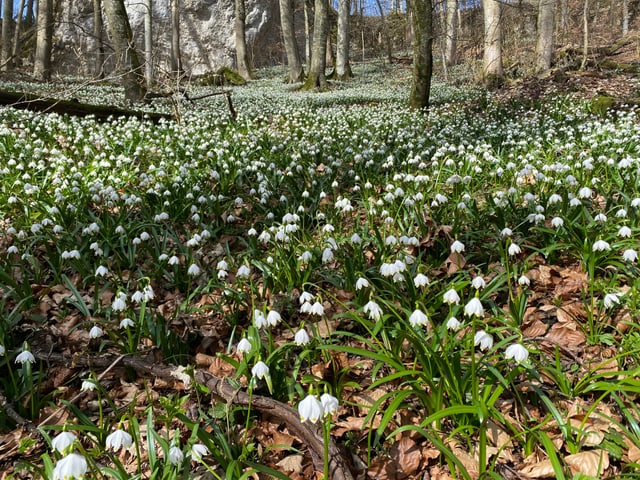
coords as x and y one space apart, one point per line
175 455
601 246
174 260
71 467
557 222
630 255
329 403
305 257
524 281
198 451
305 297
25 357
327 255
621 213
506 232
418 317
585 192
310 409
260 370
373 310
317 309
611 300
137 297
624 232
457 247
101 271
483 340
575 202
88 385
451 297
63 442
600 218
12 250
453 324
478 283
514 249
71 254
126 323
420 280
301 337
517 352
553 199
244 346
273 318
118 439
474 307
96 332
362 283
193 270
259 319
120 302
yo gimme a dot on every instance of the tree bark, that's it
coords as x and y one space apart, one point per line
44 35
98 39
127 57
308 32
7 23
546 24
625 17
176 60
492 70
585 34
422 21
16 50
295 73
343 68
451 43
316 77
385 32
241 41
148 43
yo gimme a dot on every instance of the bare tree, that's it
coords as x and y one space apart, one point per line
295 74
316 77
343 68
98 38
148 43
176 61
16 50
625 17
422 22
546 24
44 40
241 41
451 42
585 34
7 23
127 56
385 31
492 70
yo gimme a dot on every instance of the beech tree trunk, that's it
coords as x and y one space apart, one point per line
290 45
546 24
451 42
343 68
127 57
308 34
98 38
176 61
16 50
316 77
148 43
422 22
492 69
44 35
625 17
385 31
241 41
7 21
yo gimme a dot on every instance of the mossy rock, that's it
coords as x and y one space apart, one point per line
601 104
222 76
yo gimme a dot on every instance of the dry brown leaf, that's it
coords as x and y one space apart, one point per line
407 456
292 463
542 469
455 262
591 462
281 441
469 462
634 452
566 334
497 435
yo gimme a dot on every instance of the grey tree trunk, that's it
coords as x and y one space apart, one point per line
16 50
176 61
343 68
308 33
422 22
127 57
546 26
295 73
7 21
44 35
451 44
625 17
148 43
241 41
316 77
585 34
492 69
385 32
98 39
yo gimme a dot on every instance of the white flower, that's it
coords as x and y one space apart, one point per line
259 319
260 370
517 352
506 232
101 271
483 339
120 303
478 283
624 232
329 403
137 297
362 283
524 280
301 337
305 297
127 322
63 442
273 318
198 451
453 324
514 249
601 246
2 350
73 466
355 238
630 255
96 332
418 317
420 280
310 409
25 357
585 192
327 255
600 218
474 307
451 297
611 299
88 385
557 222
193 270
373 310
244 346
317 309
118 439
457 247
175 455
173 260
243 272
305 257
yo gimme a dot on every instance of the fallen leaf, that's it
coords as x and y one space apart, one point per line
591 462
542 469
407 456
291 463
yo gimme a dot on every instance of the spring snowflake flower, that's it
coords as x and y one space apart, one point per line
173 260
120 302
355 239
362 283
2 350
457 247
418 317
516 351
420 280
329 403
71 254
453 324
601 246
317 309
12 250
273 318
175 455
305 257
474 307
451 297
621 213
71 467
101 271
137 297
524 281
25 357
557 222
585 192
553 199
483 340
63 442
193 270
575 202
198 451
506 232
260 370
301 337
611 300
630 255
259 319
478 283
514 249
310 409
118 439
244 346
373 310
96 332
305 297
600 218
88 385
327 255
624 232
126 323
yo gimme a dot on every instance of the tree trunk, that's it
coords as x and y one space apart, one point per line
492 70
385 30
625 17
44 35
585 34
316 77
422 21
290 45
127 58
451 44
241 41
16 51
7 23
98 38
308 34
343 68
148 43
176 61
546 24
